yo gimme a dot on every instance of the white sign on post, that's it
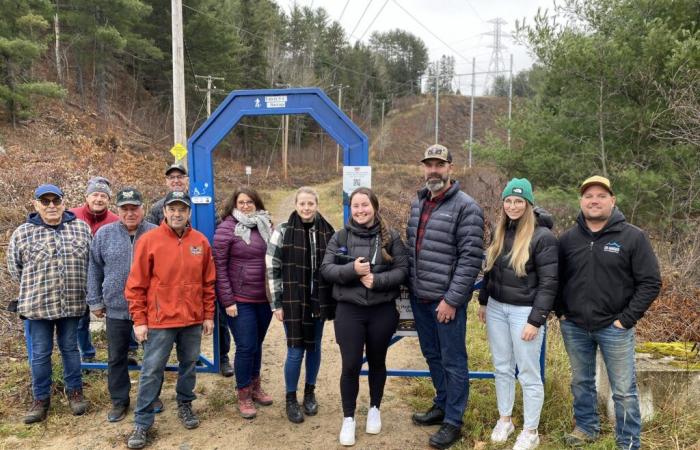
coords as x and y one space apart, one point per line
248 170
355 177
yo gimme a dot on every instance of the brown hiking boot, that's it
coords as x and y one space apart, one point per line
76 401
38 411
245 403
259 395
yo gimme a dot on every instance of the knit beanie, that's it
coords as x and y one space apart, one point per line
519 187
99 184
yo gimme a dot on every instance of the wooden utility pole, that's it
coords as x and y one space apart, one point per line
437 99
285 144
210 88
179 111
510 96
471 113
381 133
337 146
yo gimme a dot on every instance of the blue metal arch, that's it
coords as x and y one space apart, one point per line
264 102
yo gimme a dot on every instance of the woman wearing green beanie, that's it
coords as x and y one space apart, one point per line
520 283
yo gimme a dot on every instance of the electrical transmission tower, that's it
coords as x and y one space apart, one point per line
497 64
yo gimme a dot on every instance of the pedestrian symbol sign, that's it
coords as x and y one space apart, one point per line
179 151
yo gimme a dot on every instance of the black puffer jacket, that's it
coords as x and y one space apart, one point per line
539 287
388 277
450 255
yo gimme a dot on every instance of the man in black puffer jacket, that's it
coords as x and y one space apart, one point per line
608 278
445 246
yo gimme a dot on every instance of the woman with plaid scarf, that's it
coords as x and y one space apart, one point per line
298 295
367 264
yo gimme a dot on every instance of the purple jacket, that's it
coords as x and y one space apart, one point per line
240 268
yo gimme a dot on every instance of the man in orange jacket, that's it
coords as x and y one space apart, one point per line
170 291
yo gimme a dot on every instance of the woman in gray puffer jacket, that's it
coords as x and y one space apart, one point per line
520 283
367 264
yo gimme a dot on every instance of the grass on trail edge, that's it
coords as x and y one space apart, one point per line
676 424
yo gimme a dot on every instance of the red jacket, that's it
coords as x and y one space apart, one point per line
94 220
171 283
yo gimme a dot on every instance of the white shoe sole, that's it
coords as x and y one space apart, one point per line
373 430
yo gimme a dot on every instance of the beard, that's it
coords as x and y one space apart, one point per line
436 183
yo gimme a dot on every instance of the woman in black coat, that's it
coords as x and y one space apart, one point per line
367 263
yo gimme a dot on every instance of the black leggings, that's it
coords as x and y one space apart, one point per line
356 327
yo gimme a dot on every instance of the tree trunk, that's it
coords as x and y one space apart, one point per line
57 49
601 133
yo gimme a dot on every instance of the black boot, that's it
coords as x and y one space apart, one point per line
446 436
293 410
310 404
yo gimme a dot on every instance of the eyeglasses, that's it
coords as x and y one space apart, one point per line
56 201
245 203
514 202
176 177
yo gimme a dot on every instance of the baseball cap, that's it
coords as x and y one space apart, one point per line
175 166
437 151
99 184
596 180
174 196
48 189
129 196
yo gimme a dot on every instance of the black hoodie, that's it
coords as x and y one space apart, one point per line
539 287
605 276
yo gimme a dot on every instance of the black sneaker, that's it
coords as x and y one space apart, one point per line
225 368
293 409
433 416
310 403
117 413
38 411
138 438
446 436
187 416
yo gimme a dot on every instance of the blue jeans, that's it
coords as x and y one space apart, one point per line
617 347
41 334
155 357
292 365
445 350
249 328
84 343
504 326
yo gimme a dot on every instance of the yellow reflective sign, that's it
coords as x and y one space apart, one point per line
179 151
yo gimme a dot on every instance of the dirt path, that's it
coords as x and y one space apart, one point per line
223 428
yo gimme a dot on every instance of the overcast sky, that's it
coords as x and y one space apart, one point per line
461 24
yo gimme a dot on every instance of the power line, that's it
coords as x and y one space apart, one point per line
343 11
373 20
361 17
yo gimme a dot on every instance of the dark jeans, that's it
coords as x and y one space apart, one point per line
224 335
445 350
157 350
84 342
295 355
356 328
617 347
249 328
41 334
119 334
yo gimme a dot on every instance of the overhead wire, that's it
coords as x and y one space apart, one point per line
357 24
373 20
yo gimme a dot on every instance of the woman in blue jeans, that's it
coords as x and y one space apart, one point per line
294 255
520 283
240 244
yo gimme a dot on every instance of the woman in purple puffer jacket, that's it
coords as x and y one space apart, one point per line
240 244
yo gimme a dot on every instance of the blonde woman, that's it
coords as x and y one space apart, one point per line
520 283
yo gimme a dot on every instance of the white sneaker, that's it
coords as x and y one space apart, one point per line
347 432
501 431
526 441
374 421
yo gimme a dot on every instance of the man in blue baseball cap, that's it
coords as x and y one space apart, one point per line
48 257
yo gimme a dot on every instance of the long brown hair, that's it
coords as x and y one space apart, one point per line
520 253
230 203
384 230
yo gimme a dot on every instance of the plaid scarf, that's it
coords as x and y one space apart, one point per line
301 303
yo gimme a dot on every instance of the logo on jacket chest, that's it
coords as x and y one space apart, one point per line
612 247
196 250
